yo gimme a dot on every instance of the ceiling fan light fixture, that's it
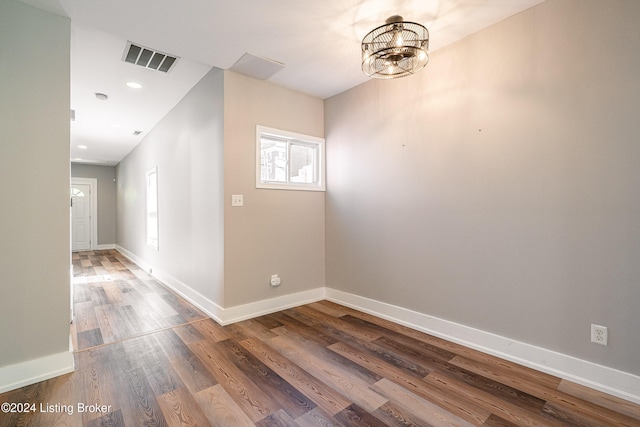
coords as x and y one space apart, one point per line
395 49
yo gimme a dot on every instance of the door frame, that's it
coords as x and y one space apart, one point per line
93 185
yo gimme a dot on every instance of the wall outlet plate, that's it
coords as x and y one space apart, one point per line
275 280
599 334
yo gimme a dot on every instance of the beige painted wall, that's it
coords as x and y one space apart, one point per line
34 173
276 231
499 188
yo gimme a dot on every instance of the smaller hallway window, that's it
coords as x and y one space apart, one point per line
152 208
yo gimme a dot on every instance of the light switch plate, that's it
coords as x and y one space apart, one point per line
237 200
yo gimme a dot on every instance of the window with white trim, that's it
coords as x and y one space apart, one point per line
288 160
152 207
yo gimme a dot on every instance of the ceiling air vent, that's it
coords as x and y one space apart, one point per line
257 67
148 58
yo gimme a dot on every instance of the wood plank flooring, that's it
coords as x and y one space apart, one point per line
115 300
148 358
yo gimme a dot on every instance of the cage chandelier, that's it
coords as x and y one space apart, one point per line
395 49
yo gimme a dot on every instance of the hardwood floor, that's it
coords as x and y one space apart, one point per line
114 300
147 358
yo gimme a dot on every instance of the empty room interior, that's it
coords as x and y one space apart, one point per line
238 214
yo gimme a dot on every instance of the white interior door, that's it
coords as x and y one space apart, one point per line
80 217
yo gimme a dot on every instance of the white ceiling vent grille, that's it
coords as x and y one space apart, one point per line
148 58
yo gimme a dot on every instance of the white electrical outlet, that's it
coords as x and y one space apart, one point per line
275 280
599 334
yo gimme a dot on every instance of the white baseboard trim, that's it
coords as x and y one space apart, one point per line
133 258
204 304
36 370
226 316
104 247
605 379
271 305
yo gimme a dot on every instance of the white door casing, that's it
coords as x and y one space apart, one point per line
83 214
80 217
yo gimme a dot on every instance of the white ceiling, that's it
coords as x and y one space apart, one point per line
318 41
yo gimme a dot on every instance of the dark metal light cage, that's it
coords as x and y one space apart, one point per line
395 49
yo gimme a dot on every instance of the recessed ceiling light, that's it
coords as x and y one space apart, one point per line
115 125
101 96
82 147
134 85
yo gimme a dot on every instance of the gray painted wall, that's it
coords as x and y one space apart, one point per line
498 188
34 231
105 176
187 148
277 231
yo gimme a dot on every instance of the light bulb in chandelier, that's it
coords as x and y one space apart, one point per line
397 39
